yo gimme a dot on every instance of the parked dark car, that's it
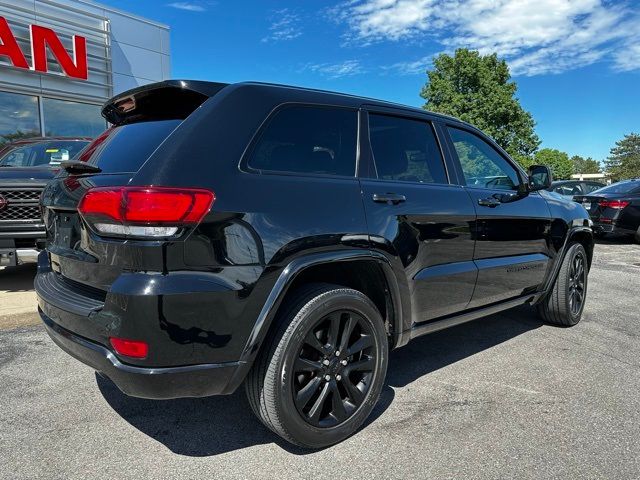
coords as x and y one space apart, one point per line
570 188
614 209
25 167
288 238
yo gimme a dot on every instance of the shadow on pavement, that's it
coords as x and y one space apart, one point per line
200 427
437 350
210 426
17 279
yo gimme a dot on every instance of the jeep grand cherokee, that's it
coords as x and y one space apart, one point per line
287 239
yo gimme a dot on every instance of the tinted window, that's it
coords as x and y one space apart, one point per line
405 150
590 187
569 188
312 140
42 153
127 147
626 186
483 166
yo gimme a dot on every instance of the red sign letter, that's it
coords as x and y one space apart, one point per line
42 37
9 47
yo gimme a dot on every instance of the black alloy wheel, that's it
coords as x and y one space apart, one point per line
564 304
577 281
333 371
320 373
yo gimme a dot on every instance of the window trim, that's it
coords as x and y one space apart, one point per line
462 181
244 166
406 115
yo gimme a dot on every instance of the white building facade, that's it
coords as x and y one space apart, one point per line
60 60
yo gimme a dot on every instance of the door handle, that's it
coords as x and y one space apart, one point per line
392 198
490 202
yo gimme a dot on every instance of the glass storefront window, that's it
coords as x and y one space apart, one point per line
71 119
19 117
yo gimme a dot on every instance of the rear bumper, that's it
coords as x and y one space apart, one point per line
600 227
154 383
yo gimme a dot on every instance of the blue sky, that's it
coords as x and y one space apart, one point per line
576 62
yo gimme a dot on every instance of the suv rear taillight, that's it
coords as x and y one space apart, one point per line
619 204
144 212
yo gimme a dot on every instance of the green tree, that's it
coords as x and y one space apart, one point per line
477 89
624 158
585 165
558 161
525 160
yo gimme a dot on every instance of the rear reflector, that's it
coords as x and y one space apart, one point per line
148 212
130 348
619 204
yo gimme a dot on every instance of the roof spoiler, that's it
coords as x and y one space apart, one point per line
171 99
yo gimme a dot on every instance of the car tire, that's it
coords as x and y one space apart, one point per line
564 304
289 366
599 235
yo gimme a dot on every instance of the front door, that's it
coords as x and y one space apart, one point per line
511 230
416 217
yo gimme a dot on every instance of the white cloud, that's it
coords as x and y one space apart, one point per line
535 36
348 68
412 67
285 25
189 6
628 59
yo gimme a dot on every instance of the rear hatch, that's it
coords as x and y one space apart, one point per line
92 256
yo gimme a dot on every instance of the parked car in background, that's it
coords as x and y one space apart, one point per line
614 209
25 168
41 151
570 188
287 238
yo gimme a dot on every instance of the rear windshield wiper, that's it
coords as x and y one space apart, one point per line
74 166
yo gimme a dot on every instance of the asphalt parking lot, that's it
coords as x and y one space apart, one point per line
501 397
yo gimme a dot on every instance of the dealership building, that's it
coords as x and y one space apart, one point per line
61 59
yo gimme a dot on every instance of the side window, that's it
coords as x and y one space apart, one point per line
482 165
569 188
306 139
575 189
590 187
405 150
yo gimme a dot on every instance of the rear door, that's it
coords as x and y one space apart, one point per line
511 250
415 215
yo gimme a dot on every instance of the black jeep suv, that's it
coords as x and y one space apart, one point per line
289 238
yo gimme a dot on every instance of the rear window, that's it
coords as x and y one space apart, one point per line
125 148
590 187
630 186
308 140
568 189
42 153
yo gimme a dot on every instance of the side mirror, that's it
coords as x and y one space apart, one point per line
540 177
